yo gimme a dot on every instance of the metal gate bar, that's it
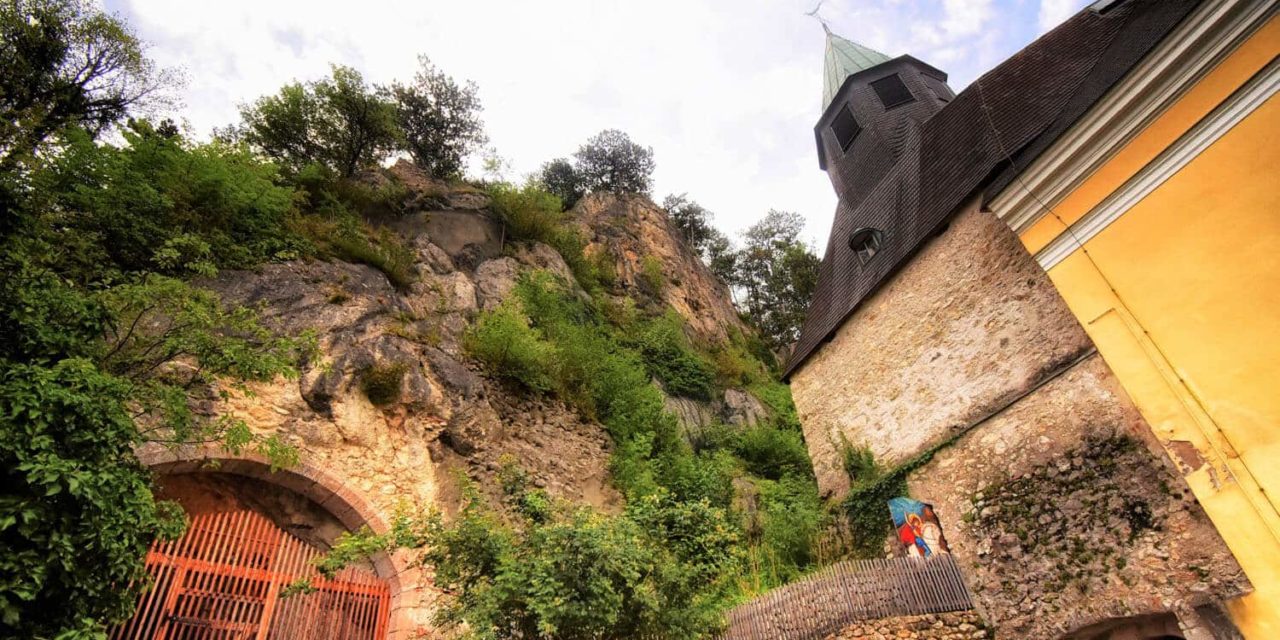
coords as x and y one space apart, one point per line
223 581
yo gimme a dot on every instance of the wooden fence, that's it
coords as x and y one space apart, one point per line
850 591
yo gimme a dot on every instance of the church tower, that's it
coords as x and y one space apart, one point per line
871 104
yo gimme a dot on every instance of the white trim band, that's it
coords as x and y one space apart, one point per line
1215 125
1195 47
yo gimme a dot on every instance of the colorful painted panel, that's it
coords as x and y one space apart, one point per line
918 528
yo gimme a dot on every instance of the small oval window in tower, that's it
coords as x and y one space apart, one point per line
865 242
892 91
845 128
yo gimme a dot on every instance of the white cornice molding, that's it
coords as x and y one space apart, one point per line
1195 47
1178 155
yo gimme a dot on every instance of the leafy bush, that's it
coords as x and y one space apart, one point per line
657 570
503 340
771 452
381 382
859 463
652 280
132 201
381 249
528 212
669 357
792 517
777 397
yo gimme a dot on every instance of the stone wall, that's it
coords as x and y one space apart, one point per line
1065 514
959 625
968 324
1047 483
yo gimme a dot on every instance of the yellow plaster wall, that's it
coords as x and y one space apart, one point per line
1181 294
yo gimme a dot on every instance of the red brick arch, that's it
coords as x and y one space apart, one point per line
346 504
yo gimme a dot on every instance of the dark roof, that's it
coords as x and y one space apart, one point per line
1029 101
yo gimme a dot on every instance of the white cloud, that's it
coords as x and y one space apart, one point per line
725 91
1053 12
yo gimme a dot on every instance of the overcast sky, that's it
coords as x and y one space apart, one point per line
725 91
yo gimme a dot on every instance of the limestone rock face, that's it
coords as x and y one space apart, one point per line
631 230
392 412
445 416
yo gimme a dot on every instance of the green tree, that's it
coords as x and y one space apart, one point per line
776 274
692 220
611 162
339 122
440 119
560 178
67 63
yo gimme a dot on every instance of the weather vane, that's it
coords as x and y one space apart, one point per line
814 14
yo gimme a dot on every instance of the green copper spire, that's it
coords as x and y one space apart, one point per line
843 59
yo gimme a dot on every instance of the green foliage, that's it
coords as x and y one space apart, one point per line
660 569
770 452
872 485
652 280
159 203
504 342
339 122
669 357
381 249
528 212
336 228
792 517
775 274
67 64
76 511
86 375
381 382
777 396
611 162
560 178
693 222
440 120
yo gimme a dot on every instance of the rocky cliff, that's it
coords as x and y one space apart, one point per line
444 415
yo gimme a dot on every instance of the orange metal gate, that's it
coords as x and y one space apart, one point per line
223 581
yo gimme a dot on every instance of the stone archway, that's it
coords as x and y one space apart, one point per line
343 502
1161 626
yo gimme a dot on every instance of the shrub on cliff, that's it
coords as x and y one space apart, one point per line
528 212
669 357
505 343
157 202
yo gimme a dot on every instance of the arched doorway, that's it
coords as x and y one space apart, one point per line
235 575
229 577
1160 626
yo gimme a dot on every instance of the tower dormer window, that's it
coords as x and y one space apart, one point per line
865 242
892 91
845 128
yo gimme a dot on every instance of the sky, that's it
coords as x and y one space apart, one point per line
726 92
